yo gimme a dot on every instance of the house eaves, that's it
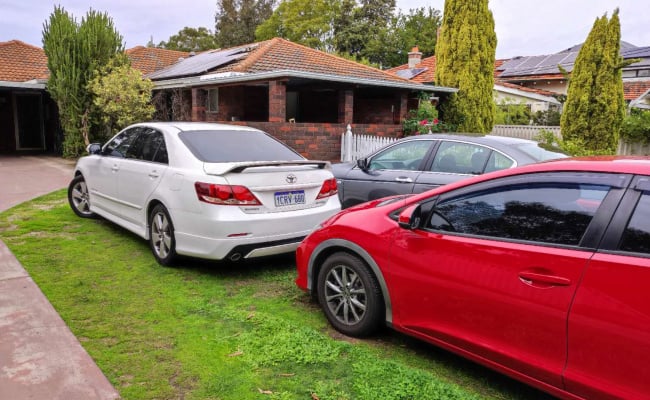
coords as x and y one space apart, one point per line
218 79
22 85
529 95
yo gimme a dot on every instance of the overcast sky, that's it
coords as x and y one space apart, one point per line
524 27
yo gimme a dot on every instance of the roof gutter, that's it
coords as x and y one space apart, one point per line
209 79
22 85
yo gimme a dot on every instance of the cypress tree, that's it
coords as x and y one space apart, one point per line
465 54
595 107
74 51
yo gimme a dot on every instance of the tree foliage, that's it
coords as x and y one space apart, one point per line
191 39
362 29
308 22
465 55
122 94
511 112
74 51
636 126
237 20
595 108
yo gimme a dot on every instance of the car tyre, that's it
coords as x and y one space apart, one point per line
350 295
78 197
161 236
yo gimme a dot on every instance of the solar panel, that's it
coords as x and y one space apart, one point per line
539 65
201 63
410 73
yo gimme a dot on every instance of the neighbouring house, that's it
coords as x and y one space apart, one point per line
29 119
423 70
28 116
542 72
300 95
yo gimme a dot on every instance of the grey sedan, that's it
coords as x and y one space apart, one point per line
419 163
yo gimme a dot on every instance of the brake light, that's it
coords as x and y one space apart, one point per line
328 189
225 194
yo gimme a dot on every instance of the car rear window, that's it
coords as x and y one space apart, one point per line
235 145
538 153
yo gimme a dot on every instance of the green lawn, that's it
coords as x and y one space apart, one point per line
218 331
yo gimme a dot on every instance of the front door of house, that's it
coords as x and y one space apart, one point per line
28 113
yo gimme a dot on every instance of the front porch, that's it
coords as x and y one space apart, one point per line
309 116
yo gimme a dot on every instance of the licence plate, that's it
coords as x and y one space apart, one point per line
291 198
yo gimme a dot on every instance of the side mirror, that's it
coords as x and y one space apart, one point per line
94 148
362 164
410 217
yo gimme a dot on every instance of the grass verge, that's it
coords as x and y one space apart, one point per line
218 331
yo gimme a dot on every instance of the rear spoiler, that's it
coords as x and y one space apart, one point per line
223 168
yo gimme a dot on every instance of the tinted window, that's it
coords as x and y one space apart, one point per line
149 145
498 161
407 156
119 146
636 237
232 146
461 158
548 213
538 153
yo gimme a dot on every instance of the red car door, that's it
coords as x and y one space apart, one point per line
609 323
493 274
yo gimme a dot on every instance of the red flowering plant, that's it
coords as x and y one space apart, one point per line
423 120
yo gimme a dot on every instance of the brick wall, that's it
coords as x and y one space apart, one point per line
320 141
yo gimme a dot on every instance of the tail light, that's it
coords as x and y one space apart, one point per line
225 194
328 189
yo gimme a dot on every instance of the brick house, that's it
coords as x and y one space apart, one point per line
300 95
29 118
423 70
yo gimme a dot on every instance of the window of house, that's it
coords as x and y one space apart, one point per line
213 100
636 237
543 212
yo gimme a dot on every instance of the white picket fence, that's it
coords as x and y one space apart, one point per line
354 147
523 131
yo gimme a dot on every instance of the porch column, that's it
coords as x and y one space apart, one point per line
198 104
277 101
346 106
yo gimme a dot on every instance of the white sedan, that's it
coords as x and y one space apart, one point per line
204 190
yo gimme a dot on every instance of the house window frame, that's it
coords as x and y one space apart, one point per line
212 100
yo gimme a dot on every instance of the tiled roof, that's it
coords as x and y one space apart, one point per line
150 59
22 62
429 64
428 76
526 89
634 89
279 54
548 77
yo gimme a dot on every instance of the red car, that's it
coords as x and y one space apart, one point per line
541 272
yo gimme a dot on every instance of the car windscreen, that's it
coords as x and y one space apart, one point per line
236 145
539 153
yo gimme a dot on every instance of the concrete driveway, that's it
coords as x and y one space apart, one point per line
40 358
23 178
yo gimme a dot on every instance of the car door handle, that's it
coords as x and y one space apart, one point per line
154 174
115 168
542 279
404 179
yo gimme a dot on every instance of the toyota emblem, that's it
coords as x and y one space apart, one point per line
291 178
